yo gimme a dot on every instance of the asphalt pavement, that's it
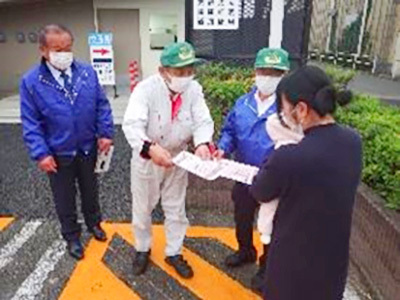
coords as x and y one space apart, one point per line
33 260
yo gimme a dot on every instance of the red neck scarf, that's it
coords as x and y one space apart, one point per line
176 103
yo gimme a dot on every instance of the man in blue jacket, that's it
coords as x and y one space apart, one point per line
244 135
66 118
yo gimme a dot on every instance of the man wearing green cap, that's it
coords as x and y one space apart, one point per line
164 113
244 135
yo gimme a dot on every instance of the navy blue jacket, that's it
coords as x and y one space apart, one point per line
244 133
56 122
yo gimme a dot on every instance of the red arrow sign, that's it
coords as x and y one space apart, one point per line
102 51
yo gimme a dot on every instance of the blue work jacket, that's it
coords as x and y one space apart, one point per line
56 122
244 133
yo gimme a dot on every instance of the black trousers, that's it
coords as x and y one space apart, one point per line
71 171
245 207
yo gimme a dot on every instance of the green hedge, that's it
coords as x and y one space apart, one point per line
223 84
378 124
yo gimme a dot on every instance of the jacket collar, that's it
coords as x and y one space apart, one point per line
251 103
79 78
250 100
57 73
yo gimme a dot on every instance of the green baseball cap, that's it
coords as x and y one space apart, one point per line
178 55
273 58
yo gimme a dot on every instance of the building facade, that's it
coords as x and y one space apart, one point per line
137 26
141 28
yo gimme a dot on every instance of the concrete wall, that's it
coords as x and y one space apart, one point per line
396 48
381 29
149 58
78 15
321 20
320 24
16 57
124 25
347 9
375 244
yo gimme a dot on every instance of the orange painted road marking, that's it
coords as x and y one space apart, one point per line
91 279
5 221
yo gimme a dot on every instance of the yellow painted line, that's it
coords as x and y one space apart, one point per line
92 280
5 221
208 282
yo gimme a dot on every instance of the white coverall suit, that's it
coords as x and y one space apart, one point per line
148 118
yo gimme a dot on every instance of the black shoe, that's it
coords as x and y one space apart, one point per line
140 262
98 233
181 266
75 249
241 257
258 280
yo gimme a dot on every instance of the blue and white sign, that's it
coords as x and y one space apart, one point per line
100 39
102 57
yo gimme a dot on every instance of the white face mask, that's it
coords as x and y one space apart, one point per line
61 60
291 124
267 84
179 84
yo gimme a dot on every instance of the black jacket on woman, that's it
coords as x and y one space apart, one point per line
316 182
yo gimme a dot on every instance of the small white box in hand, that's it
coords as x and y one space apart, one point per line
103 161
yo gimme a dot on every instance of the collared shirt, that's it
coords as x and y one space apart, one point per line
243 133
264 105
57 73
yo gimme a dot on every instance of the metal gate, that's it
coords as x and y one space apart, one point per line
240 46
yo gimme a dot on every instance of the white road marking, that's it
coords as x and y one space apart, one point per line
33 284
11 248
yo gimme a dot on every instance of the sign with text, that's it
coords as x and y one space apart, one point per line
216 14
102 57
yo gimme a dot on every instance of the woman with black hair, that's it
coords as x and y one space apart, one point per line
316 182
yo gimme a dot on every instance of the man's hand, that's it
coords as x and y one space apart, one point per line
218 154
48 164
160 156
104 145
203 152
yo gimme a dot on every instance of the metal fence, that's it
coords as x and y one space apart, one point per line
254 28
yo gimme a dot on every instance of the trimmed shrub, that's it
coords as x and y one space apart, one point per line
379 127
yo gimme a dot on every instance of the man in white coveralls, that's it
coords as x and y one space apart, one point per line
164 113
